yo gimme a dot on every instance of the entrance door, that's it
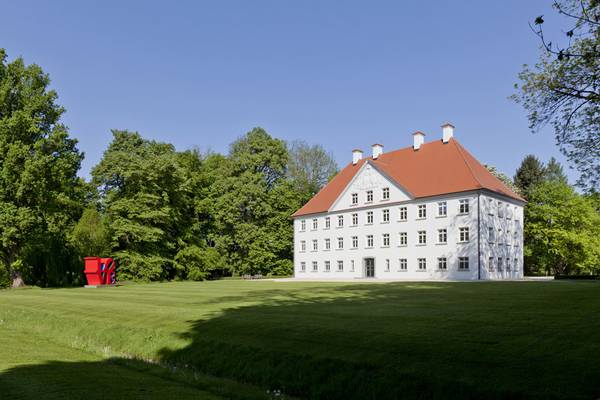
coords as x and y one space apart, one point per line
369 268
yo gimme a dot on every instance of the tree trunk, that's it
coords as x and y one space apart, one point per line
17 279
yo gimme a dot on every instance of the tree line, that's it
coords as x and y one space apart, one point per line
164 214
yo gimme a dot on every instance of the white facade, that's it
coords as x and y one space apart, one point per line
375 219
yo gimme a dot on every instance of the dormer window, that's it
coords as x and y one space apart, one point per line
369 196
385 193
354 198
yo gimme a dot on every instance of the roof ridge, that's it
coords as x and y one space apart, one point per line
462 155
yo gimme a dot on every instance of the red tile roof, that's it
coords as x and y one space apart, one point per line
436 168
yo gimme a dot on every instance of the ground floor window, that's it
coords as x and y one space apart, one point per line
422 263
387 265
442 264
463 263
340 265
403 264
351 265
303 266
491 264
315 266
327 266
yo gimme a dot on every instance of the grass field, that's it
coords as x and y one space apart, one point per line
238 339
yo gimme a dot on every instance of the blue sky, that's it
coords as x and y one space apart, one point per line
342 74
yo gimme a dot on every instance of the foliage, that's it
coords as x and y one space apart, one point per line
562 233
563 88
91 236
40 193
309 167
529 174
142 192
554 171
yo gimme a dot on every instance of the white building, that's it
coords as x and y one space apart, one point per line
430 211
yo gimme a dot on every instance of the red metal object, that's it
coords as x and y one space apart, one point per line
100 271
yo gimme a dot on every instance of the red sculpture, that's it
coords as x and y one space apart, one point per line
100 271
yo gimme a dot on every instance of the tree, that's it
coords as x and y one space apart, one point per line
529 174
143 193
309 167
554 172
40 193
562 232
563 88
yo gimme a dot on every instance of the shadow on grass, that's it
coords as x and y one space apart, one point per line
380 341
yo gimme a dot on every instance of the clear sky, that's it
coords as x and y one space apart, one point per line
342 74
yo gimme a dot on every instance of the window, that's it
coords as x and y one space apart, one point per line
354 242
491 234
386 240
303 245
351 265
422 237
403 239
328 244
463 263
385 193
354 219
500 209
354 198
315 245
499 263
422 263
442 209
303 225
516 264
387 265
340 265
516 238
369 241
442 264
491 264
385 216
315 224
490 207
442 236
315 266
422 211
369 217
340 221
463 234
403 264
463 206
403 214
303 266
508 265
340 243
509 212
499 237
327 266
327 222
369 196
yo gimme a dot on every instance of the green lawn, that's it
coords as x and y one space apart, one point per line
238 339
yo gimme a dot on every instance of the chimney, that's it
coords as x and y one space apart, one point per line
447 132
377 150
418 139
356 156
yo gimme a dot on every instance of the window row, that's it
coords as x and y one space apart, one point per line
502 210
442 211
402 265
500 237
402 240
501 264
385 195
